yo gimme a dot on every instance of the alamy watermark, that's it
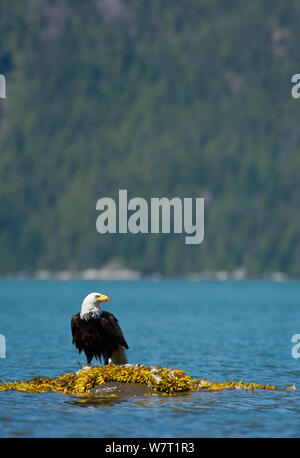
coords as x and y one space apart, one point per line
295 91
2 346
296 348
2 87
154 218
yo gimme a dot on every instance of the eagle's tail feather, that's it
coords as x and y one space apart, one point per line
119 356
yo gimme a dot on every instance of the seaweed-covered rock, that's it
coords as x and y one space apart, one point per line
128 380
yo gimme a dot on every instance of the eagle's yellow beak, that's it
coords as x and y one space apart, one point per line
102 298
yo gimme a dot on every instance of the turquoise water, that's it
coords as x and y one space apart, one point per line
220 331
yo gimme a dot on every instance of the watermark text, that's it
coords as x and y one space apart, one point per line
2 87
2 346
296 347
188 216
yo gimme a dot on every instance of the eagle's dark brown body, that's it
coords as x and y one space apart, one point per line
99 338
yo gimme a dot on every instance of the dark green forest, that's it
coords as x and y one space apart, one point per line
164 98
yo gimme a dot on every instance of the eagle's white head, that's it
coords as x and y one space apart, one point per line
90 307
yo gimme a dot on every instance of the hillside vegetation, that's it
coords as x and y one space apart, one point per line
163 98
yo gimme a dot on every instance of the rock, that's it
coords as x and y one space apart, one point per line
122 389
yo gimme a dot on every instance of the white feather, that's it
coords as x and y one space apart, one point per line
90 308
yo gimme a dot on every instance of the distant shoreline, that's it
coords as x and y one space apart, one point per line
117 273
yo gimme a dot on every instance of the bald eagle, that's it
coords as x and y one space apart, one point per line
97 332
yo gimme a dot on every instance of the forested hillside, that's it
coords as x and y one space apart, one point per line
163 98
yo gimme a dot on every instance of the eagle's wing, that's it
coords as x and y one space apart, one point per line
76 332
111 326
